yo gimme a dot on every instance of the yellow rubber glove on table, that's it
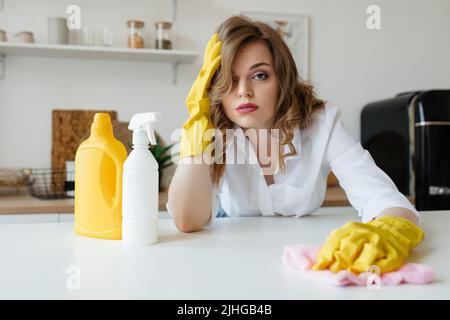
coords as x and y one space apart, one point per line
193 139
384 242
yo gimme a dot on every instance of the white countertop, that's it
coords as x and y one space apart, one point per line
239 258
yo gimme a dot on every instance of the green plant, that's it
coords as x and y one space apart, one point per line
159 152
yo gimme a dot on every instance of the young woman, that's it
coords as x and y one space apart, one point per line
249 84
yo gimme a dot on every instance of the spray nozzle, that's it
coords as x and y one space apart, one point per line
143 122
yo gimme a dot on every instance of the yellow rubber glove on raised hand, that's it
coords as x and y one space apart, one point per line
193 138
385 242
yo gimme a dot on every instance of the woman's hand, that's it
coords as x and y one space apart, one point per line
193 139
385 242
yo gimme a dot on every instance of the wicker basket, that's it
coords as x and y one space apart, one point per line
51 184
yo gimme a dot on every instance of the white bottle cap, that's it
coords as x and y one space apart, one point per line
139 233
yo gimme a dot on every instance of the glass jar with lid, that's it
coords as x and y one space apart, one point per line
135 38
163 38
25 36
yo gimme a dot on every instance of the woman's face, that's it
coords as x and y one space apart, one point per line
254 82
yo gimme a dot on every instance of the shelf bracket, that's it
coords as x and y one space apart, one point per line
174 10
2 66
175 72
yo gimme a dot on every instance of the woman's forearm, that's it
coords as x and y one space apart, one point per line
189 196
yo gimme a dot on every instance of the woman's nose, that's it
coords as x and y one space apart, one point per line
244 89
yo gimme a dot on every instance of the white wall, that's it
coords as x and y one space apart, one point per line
349 66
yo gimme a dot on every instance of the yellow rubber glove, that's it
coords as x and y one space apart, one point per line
193 139
385 242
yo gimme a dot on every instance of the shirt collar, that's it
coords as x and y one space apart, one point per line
241 138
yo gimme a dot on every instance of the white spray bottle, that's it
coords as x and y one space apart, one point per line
140 184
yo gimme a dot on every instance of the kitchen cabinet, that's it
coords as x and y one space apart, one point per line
23 208
28 218
51 217
44 217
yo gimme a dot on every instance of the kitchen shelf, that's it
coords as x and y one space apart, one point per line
174 57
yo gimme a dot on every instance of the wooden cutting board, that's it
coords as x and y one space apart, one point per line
69 129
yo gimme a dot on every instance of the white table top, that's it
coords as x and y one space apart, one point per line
239 258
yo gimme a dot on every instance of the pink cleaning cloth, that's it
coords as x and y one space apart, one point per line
303 257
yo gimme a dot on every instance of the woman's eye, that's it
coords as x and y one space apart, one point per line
260 76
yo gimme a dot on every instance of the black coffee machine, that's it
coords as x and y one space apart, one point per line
408 136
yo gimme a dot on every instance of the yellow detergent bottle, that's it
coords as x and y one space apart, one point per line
98 182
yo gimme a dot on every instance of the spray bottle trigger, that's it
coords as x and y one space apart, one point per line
151 133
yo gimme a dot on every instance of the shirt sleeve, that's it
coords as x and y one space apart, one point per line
368 188
215 205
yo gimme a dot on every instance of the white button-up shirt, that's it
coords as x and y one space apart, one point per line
300 190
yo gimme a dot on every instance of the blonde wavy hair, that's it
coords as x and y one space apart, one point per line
297 100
